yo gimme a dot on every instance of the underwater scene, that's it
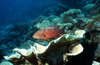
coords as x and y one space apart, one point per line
49 32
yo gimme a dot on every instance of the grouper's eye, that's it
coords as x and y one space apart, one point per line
43 35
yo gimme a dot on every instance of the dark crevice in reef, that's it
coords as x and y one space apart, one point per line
1 57
86 57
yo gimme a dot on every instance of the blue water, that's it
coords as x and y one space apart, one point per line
12 11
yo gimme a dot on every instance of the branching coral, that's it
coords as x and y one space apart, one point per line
75 17
89 25
93 36
67 16
93 24
42 25
55 53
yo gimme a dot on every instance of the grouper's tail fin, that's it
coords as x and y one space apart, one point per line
63 29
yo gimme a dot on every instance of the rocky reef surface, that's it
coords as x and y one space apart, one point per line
80 44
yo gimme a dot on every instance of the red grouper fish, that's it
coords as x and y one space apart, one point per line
49 32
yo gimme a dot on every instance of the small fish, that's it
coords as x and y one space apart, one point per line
49 32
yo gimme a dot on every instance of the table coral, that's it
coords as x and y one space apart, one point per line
55 53
95 63
95 10
6 63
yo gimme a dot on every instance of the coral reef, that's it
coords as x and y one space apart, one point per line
93 35
12 36
56 49
97 53
96 18
96 8
82 31
68 15
95 63
42 24
6 63
26 44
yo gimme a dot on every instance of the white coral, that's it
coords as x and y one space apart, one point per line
55 48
